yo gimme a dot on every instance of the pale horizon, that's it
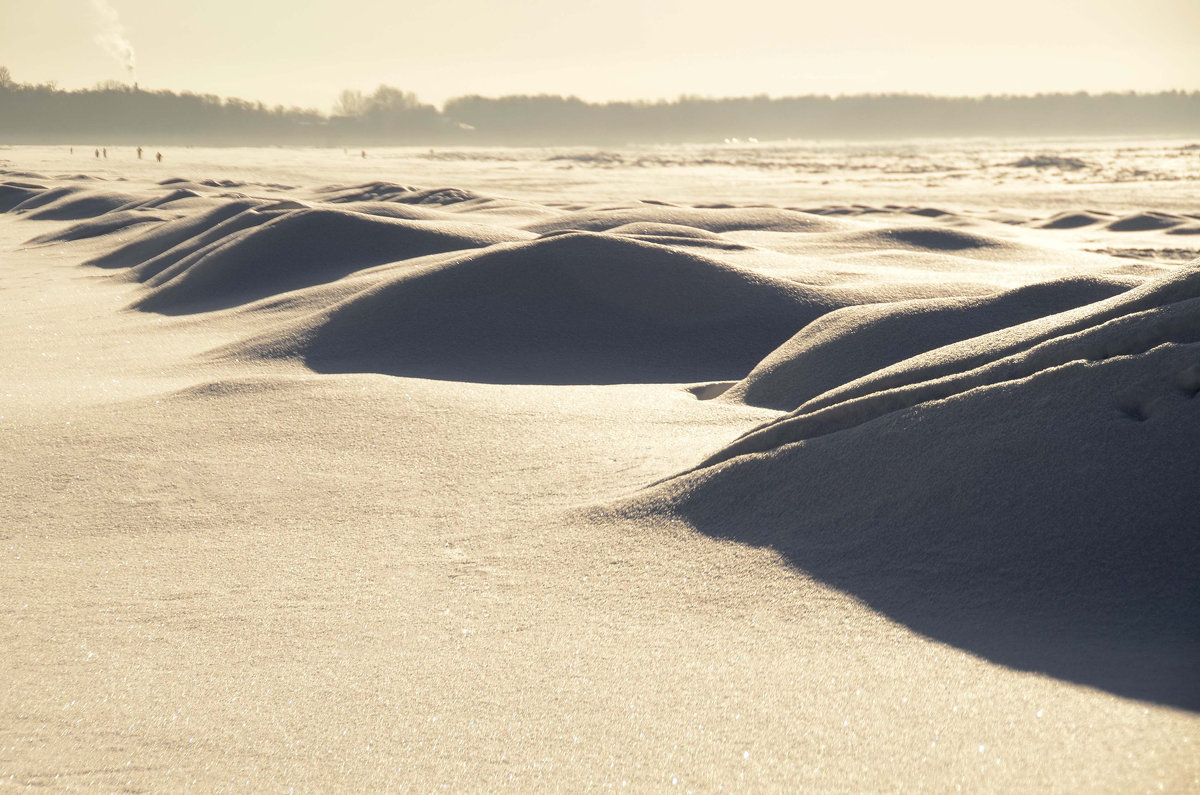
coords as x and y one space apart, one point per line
282 55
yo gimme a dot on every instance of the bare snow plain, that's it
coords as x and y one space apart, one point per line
792 466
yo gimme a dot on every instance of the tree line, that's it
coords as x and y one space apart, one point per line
117 113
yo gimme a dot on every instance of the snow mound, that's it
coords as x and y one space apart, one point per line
154 242
856 341
572 308
67 204
1146 222
109 222
1072 220
1028 495
300 249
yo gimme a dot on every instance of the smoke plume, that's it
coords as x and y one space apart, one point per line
112 35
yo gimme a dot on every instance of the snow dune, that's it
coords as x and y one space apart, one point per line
357 482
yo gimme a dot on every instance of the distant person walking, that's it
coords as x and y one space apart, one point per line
139 153
364 154
105 151
158 156
97 154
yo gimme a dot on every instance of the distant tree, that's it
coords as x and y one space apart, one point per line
350 103
388 115
387 99
6 80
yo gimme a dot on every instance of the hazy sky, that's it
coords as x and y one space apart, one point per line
304 53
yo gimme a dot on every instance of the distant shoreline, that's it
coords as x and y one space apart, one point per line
1185 139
